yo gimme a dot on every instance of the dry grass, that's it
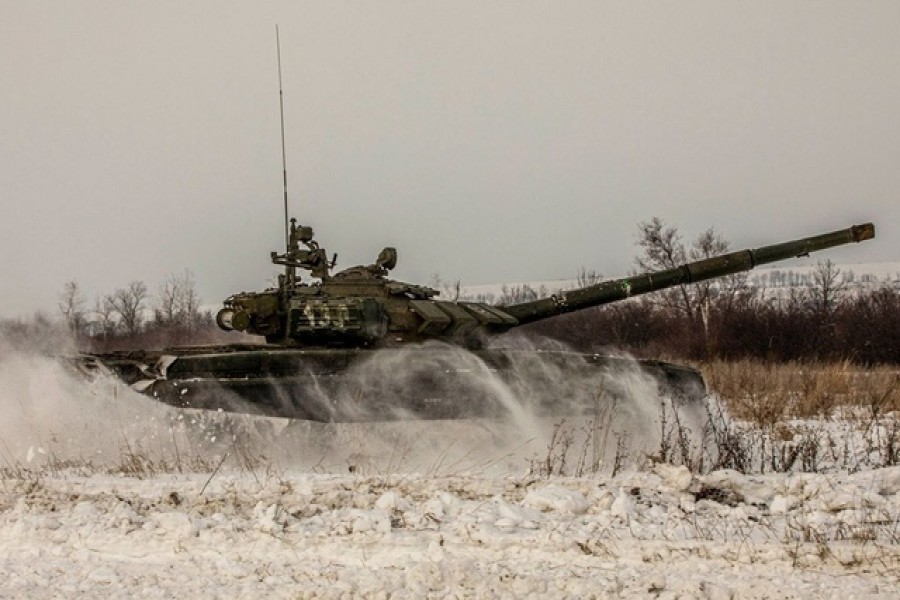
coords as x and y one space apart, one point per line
761 418
809 416
768 393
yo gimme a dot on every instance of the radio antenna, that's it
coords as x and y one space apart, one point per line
287 242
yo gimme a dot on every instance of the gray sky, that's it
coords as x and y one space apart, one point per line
488 142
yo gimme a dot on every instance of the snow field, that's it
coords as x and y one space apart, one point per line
665 533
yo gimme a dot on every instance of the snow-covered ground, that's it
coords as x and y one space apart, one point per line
105 493
664 533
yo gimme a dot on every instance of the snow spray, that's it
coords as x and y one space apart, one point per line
54 415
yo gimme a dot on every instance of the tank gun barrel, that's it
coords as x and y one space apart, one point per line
692 272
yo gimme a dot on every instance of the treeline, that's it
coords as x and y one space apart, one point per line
827 319
863 328
132 317
729 319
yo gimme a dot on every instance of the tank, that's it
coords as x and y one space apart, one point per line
322 338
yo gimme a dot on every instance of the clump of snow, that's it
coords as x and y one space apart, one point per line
677 477
554 497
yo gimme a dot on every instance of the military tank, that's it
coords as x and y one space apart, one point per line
358 346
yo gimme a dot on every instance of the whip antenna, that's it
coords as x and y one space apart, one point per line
287 242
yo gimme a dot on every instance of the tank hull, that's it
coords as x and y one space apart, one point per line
432 381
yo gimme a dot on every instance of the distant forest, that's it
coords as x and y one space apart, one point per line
742 324
728 319
827 317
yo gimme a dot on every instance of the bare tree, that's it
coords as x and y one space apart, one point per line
827 286
724 289
71 305
166 309
586 277
178 303
104 315
520 293
188 302
128 303
664 249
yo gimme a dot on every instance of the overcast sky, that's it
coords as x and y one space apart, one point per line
487 141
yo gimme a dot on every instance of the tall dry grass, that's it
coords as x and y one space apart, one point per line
762 417
808 416
767 393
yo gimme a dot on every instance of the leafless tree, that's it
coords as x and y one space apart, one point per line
586 277
662 246
166 309
104 315
520 293
128 303
178 303
827 286
663 249
71 305
189 302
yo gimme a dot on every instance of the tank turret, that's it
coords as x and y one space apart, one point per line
361 307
